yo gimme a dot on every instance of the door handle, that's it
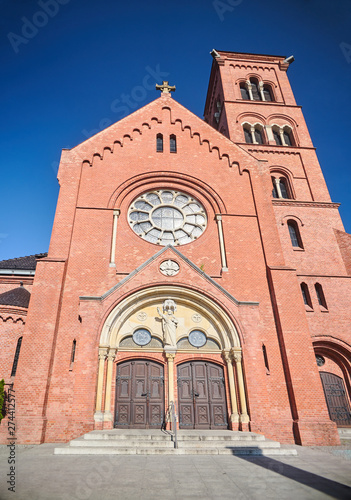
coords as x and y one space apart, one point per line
196 394
144 394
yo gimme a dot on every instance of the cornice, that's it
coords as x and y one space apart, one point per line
19 311
312 204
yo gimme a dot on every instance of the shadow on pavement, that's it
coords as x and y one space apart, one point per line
320 483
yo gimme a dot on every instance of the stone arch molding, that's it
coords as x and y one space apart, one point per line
140 310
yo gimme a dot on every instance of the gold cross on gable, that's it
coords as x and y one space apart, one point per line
165 88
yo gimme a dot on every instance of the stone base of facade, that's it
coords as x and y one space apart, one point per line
36 430
309 433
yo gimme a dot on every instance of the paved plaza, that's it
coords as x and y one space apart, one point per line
315 473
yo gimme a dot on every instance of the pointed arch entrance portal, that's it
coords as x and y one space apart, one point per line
201 396
140 398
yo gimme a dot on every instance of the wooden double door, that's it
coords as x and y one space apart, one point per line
201 396
337 400
140 401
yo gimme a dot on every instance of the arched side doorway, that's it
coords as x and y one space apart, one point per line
333 360
336 397
201 396
140 400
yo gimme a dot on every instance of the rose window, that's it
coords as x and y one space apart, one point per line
167 217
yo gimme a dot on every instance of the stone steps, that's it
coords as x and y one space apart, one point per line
344 432
156 442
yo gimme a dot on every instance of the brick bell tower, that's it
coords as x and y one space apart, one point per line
251 102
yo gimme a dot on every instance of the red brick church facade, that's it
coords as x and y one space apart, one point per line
195 261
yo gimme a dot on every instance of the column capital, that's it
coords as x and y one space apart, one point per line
103 352
218 217
237 355
170 355
117 212
227 356
112 353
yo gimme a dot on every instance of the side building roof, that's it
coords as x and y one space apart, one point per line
18 297
21 265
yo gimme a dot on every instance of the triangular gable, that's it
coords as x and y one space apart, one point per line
150 115
169 249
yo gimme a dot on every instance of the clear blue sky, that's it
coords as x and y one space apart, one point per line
65 79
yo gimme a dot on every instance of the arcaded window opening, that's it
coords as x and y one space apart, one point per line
255 90
281 188
159 143
15 360
172 143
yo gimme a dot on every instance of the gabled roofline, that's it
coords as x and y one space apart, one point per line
185 259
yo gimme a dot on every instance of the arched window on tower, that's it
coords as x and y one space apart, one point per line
172 143
294 233
15 360
159 143
320 295
254 134
283 136
306 295
244 92
281 187
267 93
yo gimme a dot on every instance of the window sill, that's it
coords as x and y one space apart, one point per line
297 249
309 309
324 309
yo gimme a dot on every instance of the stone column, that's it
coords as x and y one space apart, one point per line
249 88
237 355
270 135
252 129
260 87
277 186
100 383
114 236
234 418
221 242
281 132
108 386
170 355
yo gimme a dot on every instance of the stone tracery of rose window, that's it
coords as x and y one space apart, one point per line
167 217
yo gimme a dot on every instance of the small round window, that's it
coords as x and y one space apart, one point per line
142 337
197 338
320 360
167 217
